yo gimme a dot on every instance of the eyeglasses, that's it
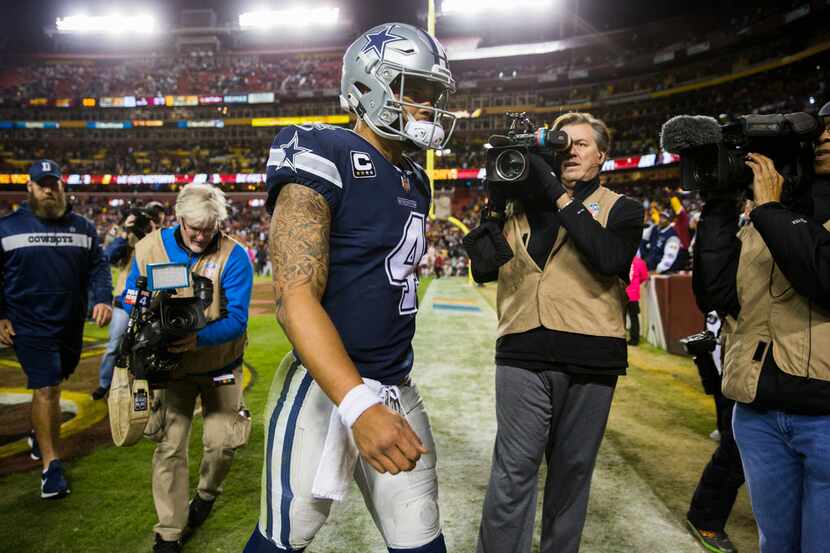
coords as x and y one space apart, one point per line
204 232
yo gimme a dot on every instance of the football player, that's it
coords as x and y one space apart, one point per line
347 233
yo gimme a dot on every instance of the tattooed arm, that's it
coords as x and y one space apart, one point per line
299 249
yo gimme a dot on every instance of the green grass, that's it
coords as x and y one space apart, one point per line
111 506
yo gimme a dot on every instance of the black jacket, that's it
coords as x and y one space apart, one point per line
800 246
609 251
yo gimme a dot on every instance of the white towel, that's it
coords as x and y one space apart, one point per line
336 468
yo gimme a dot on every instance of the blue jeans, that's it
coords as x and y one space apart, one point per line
118 325
786 461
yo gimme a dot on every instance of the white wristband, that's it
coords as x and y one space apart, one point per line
355 402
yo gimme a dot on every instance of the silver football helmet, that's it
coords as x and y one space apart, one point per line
386 57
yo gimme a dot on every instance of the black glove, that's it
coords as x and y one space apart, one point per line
543 181
487 248
496 201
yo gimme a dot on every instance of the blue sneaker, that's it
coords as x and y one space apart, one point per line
53 484
35 453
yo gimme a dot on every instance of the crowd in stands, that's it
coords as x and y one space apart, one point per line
206 73
635 124
91 158
168 74
635 130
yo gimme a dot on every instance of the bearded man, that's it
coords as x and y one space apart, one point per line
50 261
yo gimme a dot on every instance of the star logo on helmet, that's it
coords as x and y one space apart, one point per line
378 41
292 149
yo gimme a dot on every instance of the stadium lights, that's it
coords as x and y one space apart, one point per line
295 17
106 24
470 7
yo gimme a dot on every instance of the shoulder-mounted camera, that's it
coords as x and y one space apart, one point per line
160 315
507 155
713 151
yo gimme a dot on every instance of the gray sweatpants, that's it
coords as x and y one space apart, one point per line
558 414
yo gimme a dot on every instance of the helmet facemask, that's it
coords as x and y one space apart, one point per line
411 90
379 70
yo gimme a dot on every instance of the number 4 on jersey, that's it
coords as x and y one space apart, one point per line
403 260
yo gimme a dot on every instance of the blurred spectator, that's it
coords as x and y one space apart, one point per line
638 275
665 250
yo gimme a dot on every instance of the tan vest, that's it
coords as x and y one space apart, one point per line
771 312
210 358
568 295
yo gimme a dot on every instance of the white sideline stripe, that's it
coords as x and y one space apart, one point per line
310 163
50 239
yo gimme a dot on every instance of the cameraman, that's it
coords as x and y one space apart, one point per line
211 366
119 252
561 344
772 279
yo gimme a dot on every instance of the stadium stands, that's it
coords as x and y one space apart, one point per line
127 124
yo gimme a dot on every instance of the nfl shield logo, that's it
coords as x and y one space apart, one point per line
405 183
210 269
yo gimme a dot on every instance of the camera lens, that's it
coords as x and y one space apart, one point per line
510 165
179 318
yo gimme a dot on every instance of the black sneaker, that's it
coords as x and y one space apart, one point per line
100 392
198 511
35 452
713 540
163 546
53 483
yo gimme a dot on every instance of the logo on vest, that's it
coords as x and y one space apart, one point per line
593 207
210 269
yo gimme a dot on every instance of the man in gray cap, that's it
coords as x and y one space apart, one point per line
50 261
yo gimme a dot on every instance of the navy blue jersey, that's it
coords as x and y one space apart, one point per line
378 236
48 270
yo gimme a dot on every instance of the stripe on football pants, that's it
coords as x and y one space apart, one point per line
287 447
272 427
283 494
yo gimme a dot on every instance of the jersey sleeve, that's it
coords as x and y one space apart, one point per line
304 156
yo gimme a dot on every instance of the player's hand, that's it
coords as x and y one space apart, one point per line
386 441
767 183
182 345
102 313
6 332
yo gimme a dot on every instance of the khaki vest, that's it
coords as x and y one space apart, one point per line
210 358
771 312
568 295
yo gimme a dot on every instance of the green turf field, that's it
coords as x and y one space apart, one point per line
657 445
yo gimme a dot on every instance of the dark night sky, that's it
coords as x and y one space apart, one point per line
22 22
